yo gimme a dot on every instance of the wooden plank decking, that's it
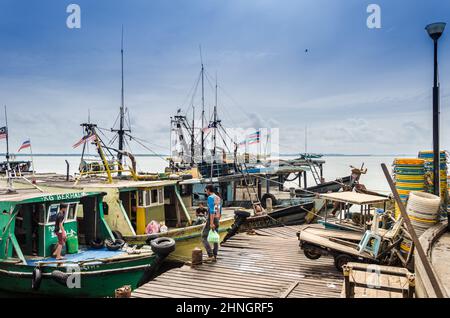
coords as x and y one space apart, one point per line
268 264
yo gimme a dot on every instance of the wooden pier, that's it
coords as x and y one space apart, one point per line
266 264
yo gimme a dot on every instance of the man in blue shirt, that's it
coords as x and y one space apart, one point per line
212 222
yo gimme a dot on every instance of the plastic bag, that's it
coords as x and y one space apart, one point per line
213 236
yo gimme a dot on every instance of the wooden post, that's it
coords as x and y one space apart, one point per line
197 257
123 292
411 284
348 288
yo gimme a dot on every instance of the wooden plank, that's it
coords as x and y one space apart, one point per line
273 266
290 288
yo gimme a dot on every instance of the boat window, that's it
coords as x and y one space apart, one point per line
147 198
154 196
52 212
71 214
141 198
160 196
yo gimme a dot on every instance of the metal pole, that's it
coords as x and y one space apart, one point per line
32 158
436 152
203 116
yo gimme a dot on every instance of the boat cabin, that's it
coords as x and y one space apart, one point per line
28 218
129 206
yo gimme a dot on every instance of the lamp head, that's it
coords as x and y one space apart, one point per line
435 30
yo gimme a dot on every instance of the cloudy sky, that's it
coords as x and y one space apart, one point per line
358 90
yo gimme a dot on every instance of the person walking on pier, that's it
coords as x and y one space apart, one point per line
212 222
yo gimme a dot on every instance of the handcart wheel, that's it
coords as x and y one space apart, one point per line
341 260
311 253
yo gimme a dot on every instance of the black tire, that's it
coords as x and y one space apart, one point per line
186 176
60 277
163 245
96 243
341 260
311 253
264 198
117 235
150 238
36 278
242 214
114 245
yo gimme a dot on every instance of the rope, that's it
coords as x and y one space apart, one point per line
147 148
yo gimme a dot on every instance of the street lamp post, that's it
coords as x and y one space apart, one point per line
435 31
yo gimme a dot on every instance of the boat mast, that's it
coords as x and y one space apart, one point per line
215 123
203 106
193 136
306 141
8 167
121 131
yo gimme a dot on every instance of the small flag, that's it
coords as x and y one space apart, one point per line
254 135
254 138
254 141
211 125
85 139
3 132
25 144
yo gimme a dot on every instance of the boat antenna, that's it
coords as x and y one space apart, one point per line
121 131
203 105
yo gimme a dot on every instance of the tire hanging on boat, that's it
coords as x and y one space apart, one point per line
163 245
36 278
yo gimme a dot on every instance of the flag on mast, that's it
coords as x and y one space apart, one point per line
85 139
3 132
25 144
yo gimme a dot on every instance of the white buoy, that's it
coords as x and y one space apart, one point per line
423 210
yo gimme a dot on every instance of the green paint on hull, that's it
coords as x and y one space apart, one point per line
96 280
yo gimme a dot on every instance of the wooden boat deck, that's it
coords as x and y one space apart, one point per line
267 264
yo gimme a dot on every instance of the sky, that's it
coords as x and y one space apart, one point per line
282 64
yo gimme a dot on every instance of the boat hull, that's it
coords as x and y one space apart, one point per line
96 280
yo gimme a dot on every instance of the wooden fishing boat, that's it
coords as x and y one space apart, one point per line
89 269
131 205
131 202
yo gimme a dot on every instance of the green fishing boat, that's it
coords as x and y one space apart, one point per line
95 264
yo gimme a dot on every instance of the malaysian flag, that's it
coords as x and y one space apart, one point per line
3 132
85 139
25 144
254 138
